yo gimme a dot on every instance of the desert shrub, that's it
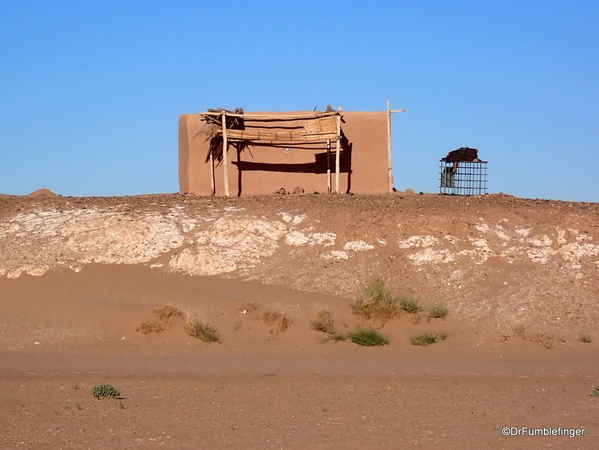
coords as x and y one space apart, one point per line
105 391
367 336
409 305
323 322
203 331
254 311
438 311
167 311
585 338
376 301
251 309
284 322
150 326
595 392
542 339
270 317
163 314
427 338
335 337
518 329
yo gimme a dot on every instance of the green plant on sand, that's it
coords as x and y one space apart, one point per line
376 301
367 336
105 391
427 338
438 311
409 304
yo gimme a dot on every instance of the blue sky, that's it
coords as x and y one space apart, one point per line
90 92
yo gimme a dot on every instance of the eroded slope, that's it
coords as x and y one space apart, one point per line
513 260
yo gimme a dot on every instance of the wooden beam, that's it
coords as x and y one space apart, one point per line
337 152
225 165
281 135
314 115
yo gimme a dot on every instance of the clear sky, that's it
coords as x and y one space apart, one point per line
91 91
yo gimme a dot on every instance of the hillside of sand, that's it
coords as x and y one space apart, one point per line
505 259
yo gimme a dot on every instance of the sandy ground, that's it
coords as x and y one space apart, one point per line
167 409
266 386
65 332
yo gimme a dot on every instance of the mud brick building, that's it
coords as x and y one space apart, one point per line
332 151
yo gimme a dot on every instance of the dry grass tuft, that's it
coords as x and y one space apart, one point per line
542 339
335 336
284 323
201 330
150 326
409 305
376 301
270 317
518 329
323 322
251 309
438 311
427 338
585 338
165 312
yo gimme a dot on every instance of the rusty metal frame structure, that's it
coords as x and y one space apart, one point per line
463 178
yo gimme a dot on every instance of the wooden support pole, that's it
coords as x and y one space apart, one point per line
389 112
212 186
337 151
225 165
328 166
389 145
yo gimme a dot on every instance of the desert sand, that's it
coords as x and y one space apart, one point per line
80 276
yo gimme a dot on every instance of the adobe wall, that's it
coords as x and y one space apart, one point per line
263 169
